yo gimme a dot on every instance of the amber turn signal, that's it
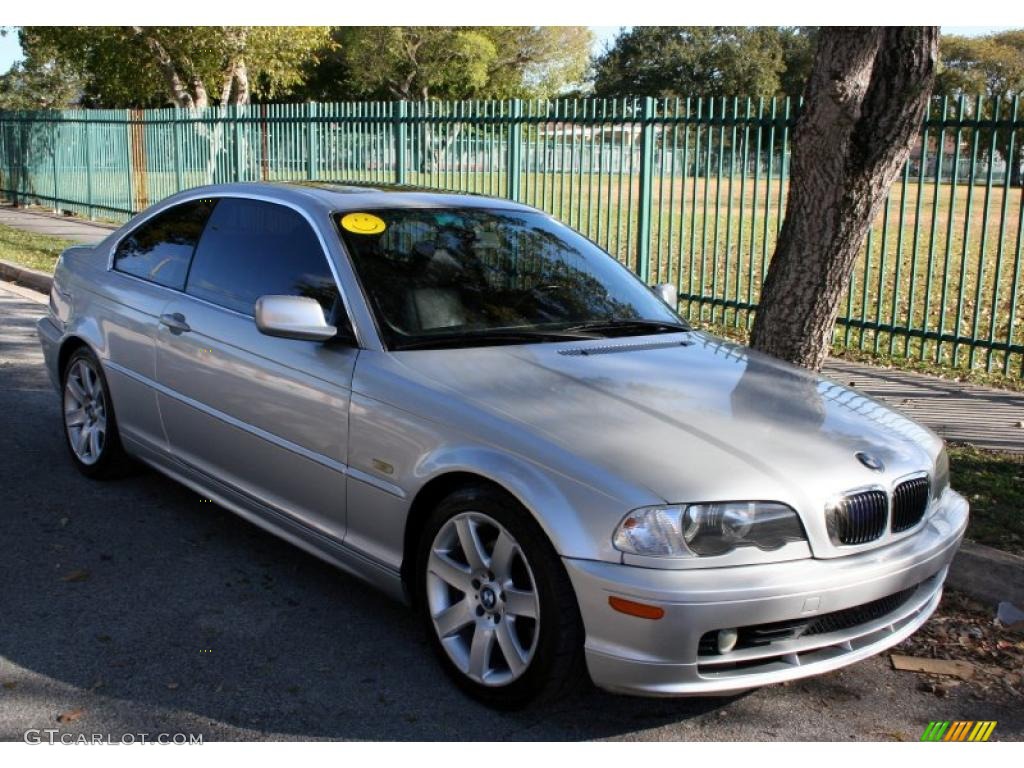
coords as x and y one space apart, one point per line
639 610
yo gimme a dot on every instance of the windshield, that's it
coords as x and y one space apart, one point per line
469 276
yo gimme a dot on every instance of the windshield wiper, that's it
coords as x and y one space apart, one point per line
644 326
497 336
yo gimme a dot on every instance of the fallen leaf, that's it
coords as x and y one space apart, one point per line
79 575
961 669
71 715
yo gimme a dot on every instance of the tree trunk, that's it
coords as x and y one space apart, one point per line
241 94
863 109
176 88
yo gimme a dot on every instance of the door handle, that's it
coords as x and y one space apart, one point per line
175 322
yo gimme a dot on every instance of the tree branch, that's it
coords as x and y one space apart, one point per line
179 93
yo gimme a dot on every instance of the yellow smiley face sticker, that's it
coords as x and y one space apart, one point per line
363 223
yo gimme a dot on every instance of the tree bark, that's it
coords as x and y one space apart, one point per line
202 98
234 87
175 84
240 94
863 109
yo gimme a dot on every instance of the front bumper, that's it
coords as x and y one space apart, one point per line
49 340
662 658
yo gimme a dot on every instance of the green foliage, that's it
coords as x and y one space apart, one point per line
704 61
798 44
992 67
449 63
139 66
46 85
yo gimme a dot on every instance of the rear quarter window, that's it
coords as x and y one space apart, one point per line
161 249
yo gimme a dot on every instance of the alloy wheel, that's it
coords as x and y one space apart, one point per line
85 411
483 599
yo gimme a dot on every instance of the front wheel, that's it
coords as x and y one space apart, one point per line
497 602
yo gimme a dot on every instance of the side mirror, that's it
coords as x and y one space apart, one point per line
668 293
293 317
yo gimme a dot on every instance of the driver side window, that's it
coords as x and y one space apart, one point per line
253 248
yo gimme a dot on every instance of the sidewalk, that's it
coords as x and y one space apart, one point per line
983 416
986 417
41 222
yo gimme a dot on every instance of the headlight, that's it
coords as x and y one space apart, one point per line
707 529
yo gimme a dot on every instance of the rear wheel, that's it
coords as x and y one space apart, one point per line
90 427
496 601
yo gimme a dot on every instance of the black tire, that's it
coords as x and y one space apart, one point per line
112 461
557 667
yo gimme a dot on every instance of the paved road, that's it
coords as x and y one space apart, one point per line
109 594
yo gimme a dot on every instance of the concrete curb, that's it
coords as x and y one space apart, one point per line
987 574
30 278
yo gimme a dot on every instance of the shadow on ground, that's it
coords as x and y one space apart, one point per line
150 607
152 611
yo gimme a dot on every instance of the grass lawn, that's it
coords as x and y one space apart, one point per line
941 258
29 249
994 485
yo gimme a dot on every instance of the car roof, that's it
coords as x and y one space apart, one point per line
352 196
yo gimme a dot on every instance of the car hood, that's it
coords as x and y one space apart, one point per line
689 416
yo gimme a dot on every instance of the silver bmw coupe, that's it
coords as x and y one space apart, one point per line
469 405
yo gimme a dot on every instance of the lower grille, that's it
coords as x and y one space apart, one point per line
859 517
765 634
858 614
909 502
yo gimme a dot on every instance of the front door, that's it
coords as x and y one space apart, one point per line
267 416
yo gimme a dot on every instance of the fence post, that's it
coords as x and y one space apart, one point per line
644 204
130 201
138 159
176 131
513 152
311 153
88 168
401 133
239 155
53 152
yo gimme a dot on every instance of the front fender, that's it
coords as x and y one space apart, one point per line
575 517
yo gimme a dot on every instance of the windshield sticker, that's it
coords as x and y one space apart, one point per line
363 223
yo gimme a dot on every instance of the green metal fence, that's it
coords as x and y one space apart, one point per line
689 191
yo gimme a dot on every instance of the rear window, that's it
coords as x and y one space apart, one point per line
160 250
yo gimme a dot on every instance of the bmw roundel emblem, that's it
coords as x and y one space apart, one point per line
869 461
